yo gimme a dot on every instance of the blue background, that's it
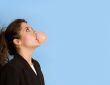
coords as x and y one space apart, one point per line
77 50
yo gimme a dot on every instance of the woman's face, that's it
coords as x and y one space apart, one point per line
30 38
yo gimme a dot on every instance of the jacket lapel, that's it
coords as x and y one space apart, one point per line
27 68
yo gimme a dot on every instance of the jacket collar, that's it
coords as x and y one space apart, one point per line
21 60
24 65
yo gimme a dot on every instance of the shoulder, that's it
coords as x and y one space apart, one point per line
9 71
10 67
9 75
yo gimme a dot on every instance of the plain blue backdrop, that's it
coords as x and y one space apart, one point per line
77 50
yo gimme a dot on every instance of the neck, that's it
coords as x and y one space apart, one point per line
27 55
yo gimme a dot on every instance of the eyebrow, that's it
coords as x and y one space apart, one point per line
29 27
25 28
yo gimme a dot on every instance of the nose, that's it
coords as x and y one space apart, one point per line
35 33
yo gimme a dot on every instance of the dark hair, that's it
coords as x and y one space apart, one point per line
6 40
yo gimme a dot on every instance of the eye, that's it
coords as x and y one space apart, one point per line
27 29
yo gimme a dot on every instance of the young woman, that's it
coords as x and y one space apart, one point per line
20 40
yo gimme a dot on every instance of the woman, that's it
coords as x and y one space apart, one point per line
20 40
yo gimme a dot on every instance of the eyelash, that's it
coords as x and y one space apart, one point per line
27 30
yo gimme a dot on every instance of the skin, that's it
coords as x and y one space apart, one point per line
29 40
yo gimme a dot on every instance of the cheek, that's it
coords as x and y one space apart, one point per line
26 38
29 41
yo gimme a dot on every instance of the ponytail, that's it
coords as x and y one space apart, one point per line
3 48
7 47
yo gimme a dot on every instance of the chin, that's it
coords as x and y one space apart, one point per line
36 46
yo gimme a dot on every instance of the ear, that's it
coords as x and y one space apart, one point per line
16 42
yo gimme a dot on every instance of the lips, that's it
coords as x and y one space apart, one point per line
37 37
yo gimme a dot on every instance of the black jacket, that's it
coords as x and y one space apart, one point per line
18 72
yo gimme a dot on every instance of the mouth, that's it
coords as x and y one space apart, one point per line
37 38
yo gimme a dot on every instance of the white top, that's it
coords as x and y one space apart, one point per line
33 69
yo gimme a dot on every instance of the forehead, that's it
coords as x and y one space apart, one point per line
24 25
